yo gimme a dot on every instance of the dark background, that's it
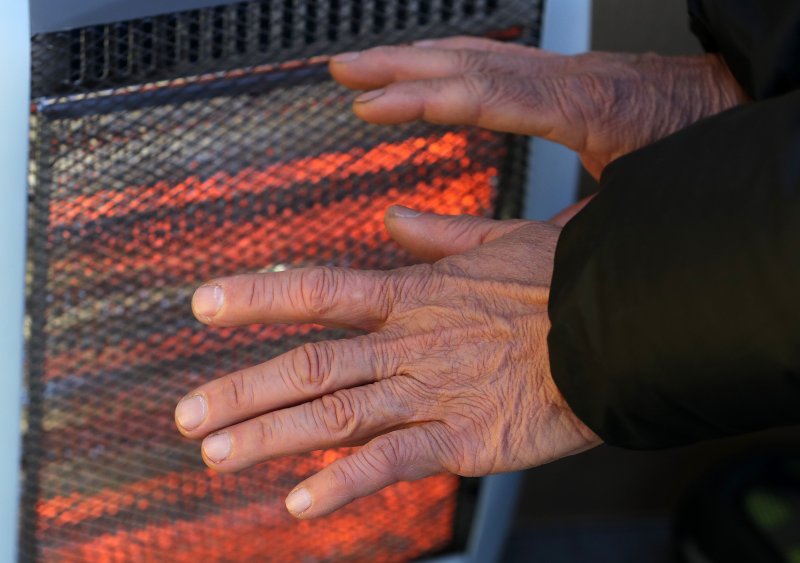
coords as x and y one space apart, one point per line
639 26
612 505
642 25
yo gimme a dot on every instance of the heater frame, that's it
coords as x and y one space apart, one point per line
553 170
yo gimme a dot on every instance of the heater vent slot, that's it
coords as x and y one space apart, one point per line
249 33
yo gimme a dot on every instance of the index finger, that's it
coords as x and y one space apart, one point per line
336 297
379 66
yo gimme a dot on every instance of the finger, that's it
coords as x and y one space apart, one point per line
431 237
403 455
303 374
344 418
380 66
329 296
485 45
564 216
505 102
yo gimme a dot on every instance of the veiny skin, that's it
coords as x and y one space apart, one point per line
453 374
602 105
453 377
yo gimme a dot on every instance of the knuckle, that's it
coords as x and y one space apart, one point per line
386 454
440 342
478 86
417 283
257 289
318 288
489 89
267 431
379 356
384 289
311 367
343 474
392 457
464 228
470 61
238 391
456 266
412 394
380 460
336 413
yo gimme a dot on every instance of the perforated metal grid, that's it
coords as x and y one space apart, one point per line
138 193
237 35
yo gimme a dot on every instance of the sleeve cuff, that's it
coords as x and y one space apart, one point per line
674 302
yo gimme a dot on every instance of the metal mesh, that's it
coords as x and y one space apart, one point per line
241 34
140 190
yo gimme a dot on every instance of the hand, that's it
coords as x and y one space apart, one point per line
453 375
602 105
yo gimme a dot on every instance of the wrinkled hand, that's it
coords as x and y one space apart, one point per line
453 375
602 105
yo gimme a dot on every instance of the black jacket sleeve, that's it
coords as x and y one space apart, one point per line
759 39
675 302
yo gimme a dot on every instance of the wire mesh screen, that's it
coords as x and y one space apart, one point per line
153 172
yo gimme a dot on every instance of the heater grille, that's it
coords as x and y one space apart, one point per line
232 36
141 190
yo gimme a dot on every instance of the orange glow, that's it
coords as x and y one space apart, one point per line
469 193
75 508
99 266
331 167
164 348
240 534
328 227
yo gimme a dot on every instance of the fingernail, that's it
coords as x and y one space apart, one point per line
207 300
425 43
369 96
298 501
190 412
403 212
217 447
346 57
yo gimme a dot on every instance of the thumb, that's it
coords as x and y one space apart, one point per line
430 237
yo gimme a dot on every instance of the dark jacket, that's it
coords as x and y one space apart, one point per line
675 302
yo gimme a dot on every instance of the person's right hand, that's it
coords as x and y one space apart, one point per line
452 373
602 105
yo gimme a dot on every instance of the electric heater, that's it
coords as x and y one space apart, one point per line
174 142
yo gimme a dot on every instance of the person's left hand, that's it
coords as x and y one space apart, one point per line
601 105
453 374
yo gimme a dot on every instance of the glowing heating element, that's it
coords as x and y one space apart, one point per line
168 150
118 483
